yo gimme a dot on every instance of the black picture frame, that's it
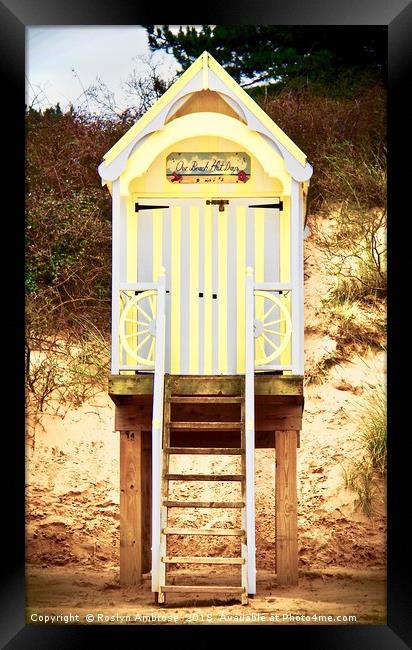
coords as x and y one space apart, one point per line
15 16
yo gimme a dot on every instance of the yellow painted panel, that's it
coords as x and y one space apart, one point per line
131 241
222 292
196 125
154 183
241 270
175 291
285 240
208 343
205 100
157 242
259 218
131 271
285 357
259 214
194 292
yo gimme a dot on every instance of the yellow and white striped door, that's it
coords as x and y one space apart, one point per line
205 252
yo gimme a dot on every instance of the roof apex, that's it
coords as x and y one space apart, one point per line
154 118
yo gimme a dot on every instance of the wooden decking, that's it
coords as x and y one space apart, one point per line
265 385
278 406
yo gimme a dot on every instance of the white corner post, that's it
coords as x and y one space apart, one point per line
250 430
116 257
157 426
297 277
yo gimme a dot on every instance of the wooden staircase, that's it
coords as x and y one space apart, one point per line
169 425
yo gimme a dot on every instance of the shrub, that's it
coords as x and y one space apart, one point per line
372 429
344 138
364 475
68 218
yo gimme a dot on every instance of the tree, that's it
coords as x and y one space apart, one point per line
267 53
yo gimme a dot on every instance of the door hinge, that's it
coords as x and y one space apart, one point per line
138 208
279 205
220 202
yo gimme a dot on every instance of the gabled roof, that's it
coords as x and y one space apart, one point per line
205 74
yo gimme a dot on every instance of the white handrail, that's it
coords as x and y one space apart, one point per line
250 429
157 425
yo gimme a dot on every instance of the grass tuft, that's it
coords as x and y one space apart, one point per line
365 476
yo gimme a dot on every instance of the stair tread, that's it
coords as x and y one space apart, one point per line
204 477
193 559
204 504
229 532
203 588
204 425
197 399
218 451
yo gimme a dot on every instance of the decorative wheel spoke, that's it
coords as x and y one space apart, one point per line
270 343
141 344
138 322
266 329
274 322
261 346
137 334
150 356
269 311
142 311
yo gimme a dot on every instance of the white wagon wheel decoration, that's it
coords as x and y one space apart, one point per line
268 328
140 313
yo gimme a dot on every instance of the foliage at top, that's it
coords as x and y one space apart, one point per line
267 53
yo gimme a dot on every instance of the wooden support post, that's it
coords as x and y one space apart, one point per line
146 503
130 507
286 508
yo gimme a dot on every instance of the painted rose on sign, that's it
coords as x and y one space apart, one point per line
208 167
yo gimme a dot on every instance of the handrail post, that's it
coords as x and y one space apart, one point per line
250 428
157 425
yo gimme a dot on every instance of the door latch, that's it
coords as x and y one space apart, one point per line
220 202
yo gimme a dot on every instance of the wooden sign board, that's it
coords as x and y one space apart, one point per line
208 167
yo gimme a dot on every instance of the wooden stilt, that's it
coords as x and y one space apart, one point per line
286 508
146 503
130 508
